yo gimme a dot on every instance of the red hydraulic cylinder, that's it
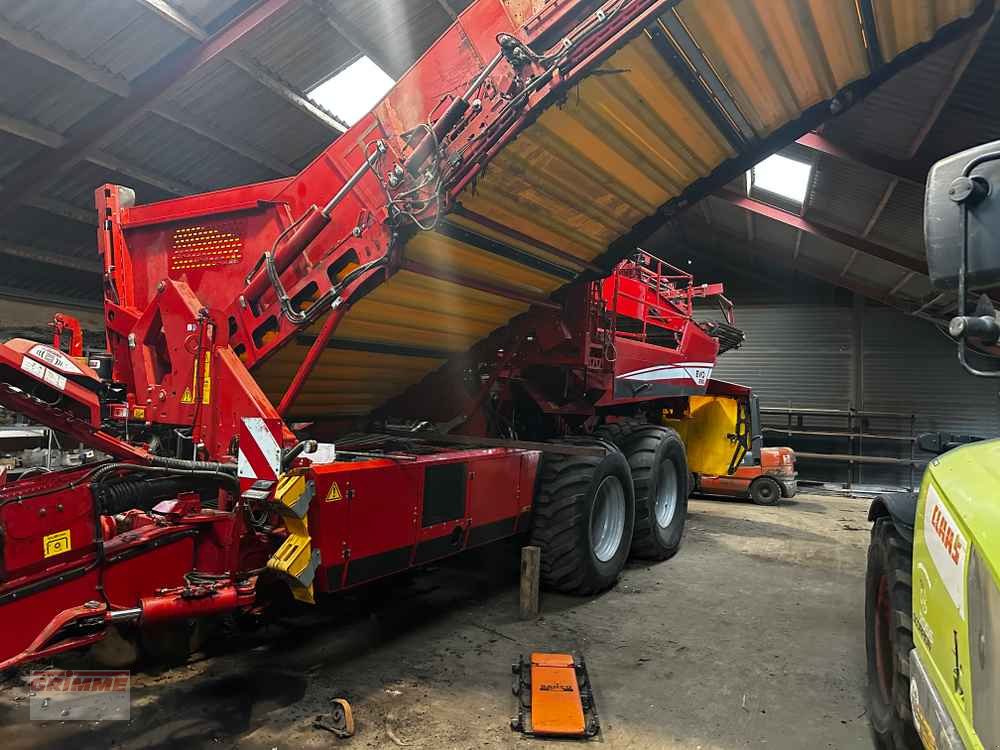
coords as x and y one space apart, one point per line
176 605
287 249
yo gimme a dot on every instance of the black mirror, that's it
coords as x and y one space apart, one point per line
967 180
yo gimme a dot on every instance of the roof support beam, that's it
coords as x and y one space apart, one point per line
821 230
972 46
901 170
880 207
728 241
165 183
26 252
33 44
257 71
903 281
26 181
66 210
31 132
52 139
357 38
232 142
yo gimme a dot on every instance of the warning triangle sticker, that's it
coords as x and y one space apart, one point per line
334 493
187 398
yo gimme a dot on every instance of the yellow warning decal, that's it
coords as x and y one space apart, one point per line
334 493
188 397
139 412
206 387
56 544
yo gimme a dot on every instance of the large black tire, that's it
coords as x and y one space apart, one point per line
658 460
565 510
889 637
765 491
616 432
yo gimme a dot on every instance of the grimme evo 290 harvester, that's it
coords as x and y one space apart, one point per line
431 280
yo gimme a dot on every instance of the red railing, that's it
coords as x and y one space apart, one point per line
653 292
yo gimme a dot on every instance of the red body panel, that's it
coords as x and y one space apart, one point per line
369 518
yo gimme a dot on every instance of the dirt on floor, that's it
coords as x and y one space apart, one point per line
751 637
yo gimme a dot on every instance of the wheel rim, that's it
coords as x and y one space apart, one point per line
766 491
607 523
665 503
883 644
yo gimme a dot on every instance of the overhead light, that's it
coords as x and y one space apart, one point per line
351 93
782 176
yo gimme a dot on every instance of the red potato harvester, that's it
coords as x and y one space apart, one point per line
438 334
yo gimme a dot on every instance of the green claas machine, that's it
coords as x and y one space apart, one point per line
932 604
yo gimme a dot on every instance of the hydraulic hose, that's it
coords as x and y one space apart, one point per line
182 464
124 494
141 494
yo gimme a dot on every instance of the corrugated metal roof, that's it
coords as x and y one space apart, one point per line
125 38
971 115
204 11
14 150
302 45
119 36
901 224
845 194
871 271
401 29
44 94
79 186
60 234
890 119
228 97
152 144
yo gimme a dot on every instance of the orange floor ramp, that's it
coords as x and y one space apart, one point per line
555 698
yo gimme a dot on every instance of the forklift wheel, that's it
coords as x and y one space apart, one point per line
765 491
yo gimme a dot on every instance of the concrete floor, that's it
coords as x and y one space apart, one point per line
751 637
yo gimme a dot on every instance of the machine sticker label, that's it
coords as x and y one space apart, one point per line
54 378
39 370
139 412
699 372
947 547
55 358
188 397
56 544
206 386
334 494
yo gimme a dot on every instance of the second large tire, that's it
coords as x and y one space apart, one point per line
583 517
889 637
658 460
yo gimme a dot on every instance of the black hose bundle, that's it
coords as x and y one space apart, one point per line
147 485
142 494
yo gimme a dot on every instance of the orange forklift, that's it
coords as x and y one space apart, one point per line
765 475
